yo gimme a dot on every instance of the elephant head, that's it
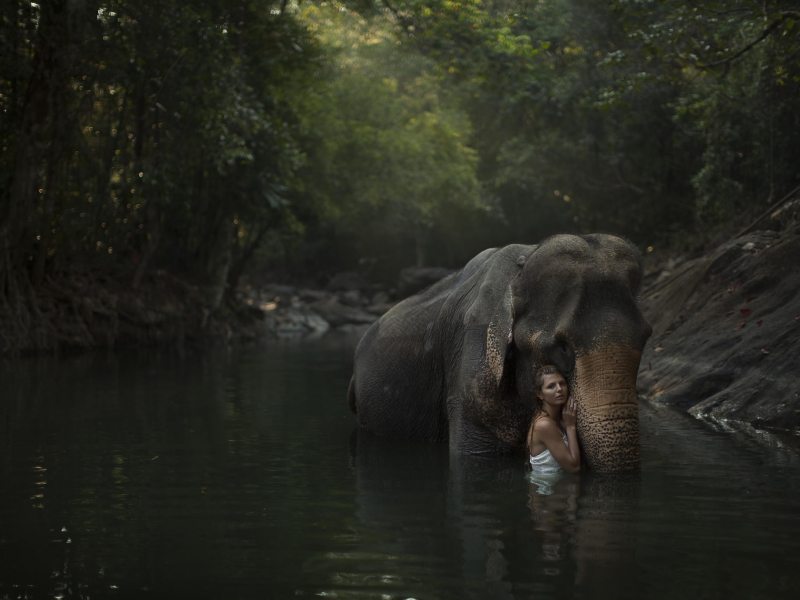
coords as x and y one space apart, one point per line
571 303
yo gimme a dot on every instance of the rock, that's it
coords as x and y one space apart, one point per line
338 314
316 323
415 279
351 298
306 295
248 294
726 328
379 309
346 281
787 215
295 322
253 311
664 275
282 294
381 297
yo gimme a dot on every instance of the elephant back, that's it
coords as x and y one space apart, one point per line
399 382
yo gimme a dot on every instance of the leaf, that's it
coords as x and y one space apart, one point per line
739 326
729 313
759 322
745 311
658 349
764 351
751 297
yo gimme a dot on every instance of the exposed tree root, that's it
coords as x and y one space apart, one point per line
84 310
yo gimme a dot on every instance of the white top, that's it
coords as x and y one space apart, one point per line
544 463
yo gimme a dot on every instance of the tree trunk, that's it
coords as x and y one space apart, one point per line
154 215
218 267
238 267
45 230
153 238
47 82
139 124
103 185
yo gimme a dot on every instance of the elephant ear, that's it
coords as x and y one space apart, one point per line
489 321
488 334
499 335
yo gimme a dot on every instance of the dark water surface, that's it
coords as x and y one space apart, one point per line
237 473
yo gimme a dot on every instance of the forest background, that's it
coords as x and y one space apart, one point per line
287 141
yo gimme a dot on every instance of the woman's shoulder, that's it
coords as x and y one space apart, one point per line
544 424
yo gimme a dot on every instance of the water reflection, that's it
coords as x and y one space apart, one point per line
234 474
606 534
553 500
503 532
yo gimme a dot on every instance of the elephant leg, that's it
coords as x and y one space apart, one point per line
476 427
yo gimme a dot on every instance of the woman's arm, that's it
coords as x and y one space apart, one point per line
570 418
568 456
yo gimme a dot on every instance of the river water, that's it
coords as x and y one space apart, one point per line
239 473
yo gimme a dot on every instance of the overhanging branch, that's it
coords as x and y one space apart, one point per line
768 30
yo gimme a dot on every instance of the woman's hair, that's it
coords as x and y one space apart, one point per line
538 382
538 404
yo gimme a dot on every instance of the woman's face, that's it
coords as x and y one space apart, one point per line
555 390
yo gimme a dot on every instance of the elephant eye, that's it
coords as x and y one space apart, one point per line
561 354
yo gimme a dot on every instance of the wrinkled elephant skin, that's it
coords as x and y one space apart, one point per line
457 361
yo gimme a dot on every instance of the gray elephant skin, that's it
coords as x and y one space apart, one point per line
457 361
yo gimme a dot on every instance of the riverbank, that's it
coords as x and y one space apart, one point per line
726 324
726 329
84 309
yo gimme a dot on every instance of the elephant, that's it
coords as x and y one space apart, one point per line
456 362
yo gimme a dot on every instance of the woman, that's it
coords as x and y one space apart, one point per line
553 449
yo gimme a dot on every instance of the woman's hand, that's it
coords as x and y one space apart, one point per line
569 414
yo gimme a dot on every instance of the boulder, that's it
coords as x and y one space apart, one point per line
787 215
351 298
726 328
275 290
380 297
338 314
309 296
347 281
294 321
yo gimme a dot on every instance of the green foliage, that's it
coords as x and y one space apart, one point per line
391 148
739 67
649 117
178 123
190 134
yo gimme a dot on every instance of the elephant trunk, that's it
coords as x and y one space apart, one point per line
608 412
